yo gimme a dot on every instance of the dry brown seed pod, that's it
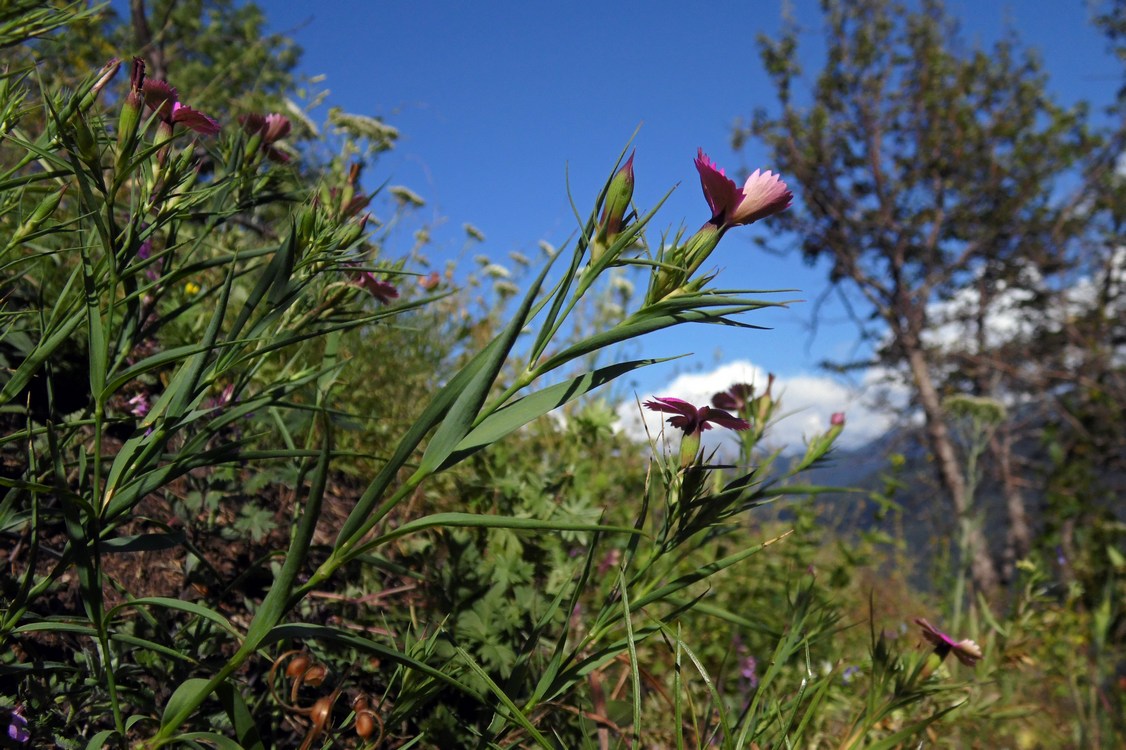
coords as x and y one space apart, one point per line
316 674
321 712
365 725
297 666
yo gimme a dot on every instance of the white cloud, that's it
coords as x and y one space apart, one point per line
807 402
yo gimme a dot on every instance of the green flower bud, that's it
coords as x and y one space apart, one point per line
41 213
130 118
618 196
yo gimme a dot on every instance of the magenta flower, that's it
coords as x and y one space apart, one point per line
966 651
271 128
695 420
837 419
163 99
762 195
383 291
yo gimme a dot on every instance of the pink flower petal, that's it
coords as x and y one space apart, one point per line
277 127
721 418
383 291
691 419
764 194
965 651
197 121
160 97
720 191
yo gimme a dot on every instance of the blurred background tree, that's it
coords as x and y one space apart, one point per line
968 219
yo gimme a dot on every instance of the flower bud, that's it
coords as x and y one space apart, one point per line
348 234
41 213
764 404
836 425
130 118
619 193
105 75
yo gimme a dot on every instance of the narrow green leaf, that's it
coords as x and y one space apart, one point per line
649 320
241 718
100 740
221 742
46 347
191 691
181 605
142 542
148 645
302 632
513 712
524 410
465 409
471 520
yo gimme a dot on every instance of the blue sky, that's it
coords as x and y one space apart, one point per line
498 102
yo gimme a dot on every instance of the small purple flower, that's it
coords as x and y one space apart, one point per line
609 561
225 397
140 405
694 420
17 726
849 674
748 670
144 252
966 651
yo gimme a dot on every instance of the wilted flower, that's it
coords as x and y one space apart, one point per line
695 420
734 398
762 195
383 291
496 271
406 197
430 281
105 75
163 99
966 651
506 289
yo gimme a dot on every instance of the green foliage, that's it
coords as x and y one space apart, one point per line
262 489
